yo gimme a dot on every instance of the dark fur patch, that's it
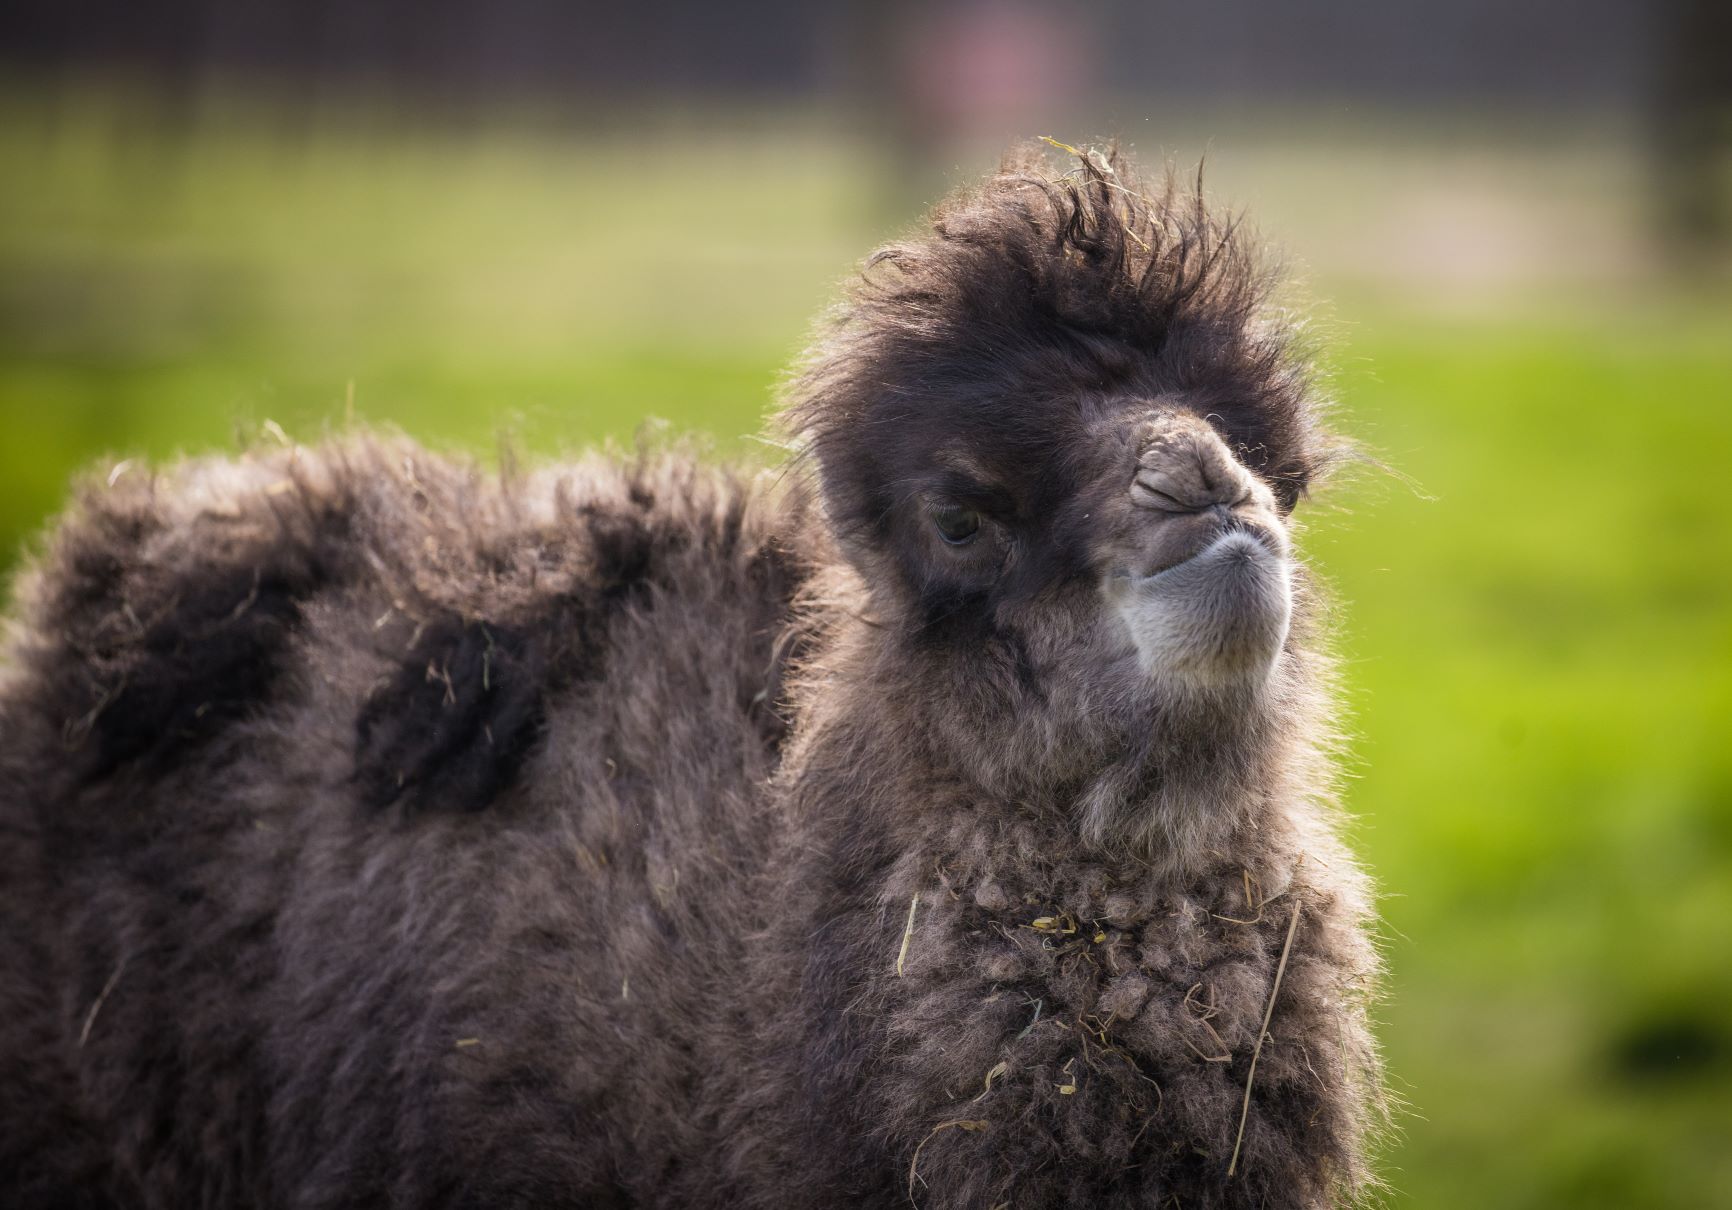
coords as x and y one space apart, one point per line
156 653
452 726
195 668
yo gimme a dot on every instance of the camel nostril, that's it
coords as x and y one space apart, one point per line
1176 491
1160 492
1183 466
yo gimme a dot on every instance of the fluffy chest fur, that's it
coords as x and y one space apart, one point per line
1042 1025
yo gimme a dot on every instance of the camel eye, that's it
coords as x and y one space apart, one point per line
956 526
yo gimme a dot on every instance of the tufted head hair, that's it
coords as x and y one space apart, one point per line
1035 293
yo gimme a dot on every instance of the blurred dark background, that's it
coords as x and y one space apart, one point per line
1233 51
1510 225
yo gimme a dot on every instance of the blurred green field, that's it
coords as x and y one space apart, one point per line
1537 635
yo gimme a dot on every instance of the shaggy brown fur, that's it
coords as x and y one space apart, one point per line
647 833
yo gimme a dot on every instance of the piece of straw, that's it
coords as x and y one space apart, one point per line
1274 990
90 1017
968 1124
907 934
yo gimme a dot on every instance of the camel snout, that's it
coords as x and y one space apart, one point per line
1184 467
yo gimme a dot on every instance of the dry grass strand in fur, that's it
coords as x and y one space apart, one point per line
1263 1032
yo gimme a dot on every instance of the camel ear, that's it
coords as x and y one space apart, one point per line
838 474
866 519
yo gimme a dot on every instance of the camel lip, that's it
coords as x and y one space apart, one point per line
1217 619
1233 542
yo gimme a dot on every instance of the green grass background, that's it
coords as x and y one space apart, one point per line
1537 630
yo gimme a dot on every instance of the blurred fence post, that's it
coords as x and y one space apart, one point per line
1692 135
